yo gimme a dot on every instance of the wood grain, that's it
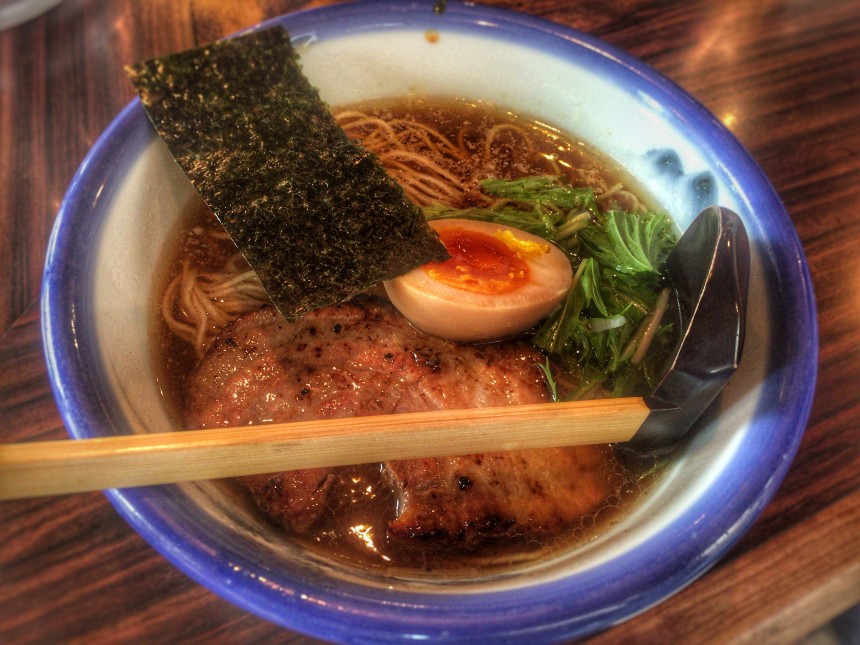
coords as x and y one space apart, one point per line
725 607
783 75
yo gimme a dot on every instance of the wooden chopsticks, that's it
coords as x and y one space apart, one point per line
32 469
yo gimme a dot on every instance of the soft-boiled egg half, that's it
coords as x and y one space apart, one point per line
498 282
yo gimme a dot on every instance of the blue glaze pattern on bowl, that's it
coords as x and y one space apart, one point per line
738 456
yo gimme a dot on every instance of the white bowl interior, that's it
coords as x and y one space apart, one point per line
568 95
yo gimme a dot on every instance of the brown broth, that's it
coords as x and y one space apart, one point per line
546 151
354 529
175 358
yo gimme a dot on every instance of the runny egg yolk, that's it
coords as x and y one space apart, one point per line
479 263
498 282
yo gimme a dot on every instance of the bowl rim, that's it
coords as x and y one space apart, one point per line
545 610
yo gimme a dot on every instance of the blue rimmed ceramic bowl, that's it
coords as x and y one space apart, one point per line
111 237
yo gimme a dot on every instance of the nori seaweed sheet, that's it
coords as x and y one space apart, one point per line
315 214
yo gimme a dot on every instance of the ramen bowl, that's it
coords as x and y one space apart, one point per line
117 222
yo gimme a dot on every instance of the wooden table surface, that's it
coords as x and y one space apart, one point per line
784 75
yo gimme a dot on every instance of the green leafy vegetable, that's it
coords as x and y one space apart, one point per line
550 381
629 242
540 205
543 190
618 258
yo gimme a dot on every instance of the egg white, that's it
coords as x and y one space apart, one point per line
457 314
